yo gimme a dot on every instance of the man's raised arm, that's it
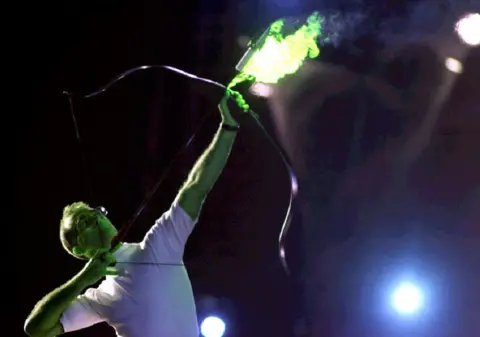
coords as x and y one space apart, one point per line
167 238
210 165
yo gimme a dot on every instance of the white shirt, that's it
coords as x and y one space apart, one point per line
145 300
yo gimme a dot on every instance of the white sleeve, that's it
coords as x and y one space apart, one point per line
166 239
81 313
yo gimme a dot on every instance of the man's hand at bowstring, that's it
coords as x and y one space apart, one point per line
99 266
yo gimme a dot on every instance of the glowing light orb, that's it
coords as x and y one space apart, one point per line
468 29
454 65
212 326
407 299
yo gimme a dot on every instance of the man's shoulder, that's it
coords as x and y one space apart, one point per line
127 252
177 213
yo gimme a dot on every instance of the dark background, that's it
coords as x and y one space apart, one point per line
355 217
129 136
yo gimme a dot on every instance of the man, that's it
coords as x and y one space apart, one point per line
148 292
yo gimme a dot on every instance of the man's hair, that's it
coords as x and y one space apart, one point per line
74 215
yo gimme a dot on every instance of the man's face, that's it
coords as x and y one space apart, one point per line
95 235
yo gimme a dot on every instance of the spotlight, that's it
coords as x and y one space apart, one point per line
454 65
468 29
407 299
212 326
216 315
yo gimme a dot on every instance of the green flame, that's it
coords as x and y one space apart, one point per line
280 56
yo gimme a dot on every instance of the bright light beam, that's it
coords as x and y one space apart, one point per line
261 90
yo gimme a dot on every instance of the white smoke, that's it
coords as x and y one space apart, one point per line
419 18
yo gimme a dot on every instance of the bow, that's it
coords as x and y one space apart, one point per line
125 229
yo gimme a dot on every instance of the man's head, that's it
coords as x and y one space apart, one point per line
84 230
